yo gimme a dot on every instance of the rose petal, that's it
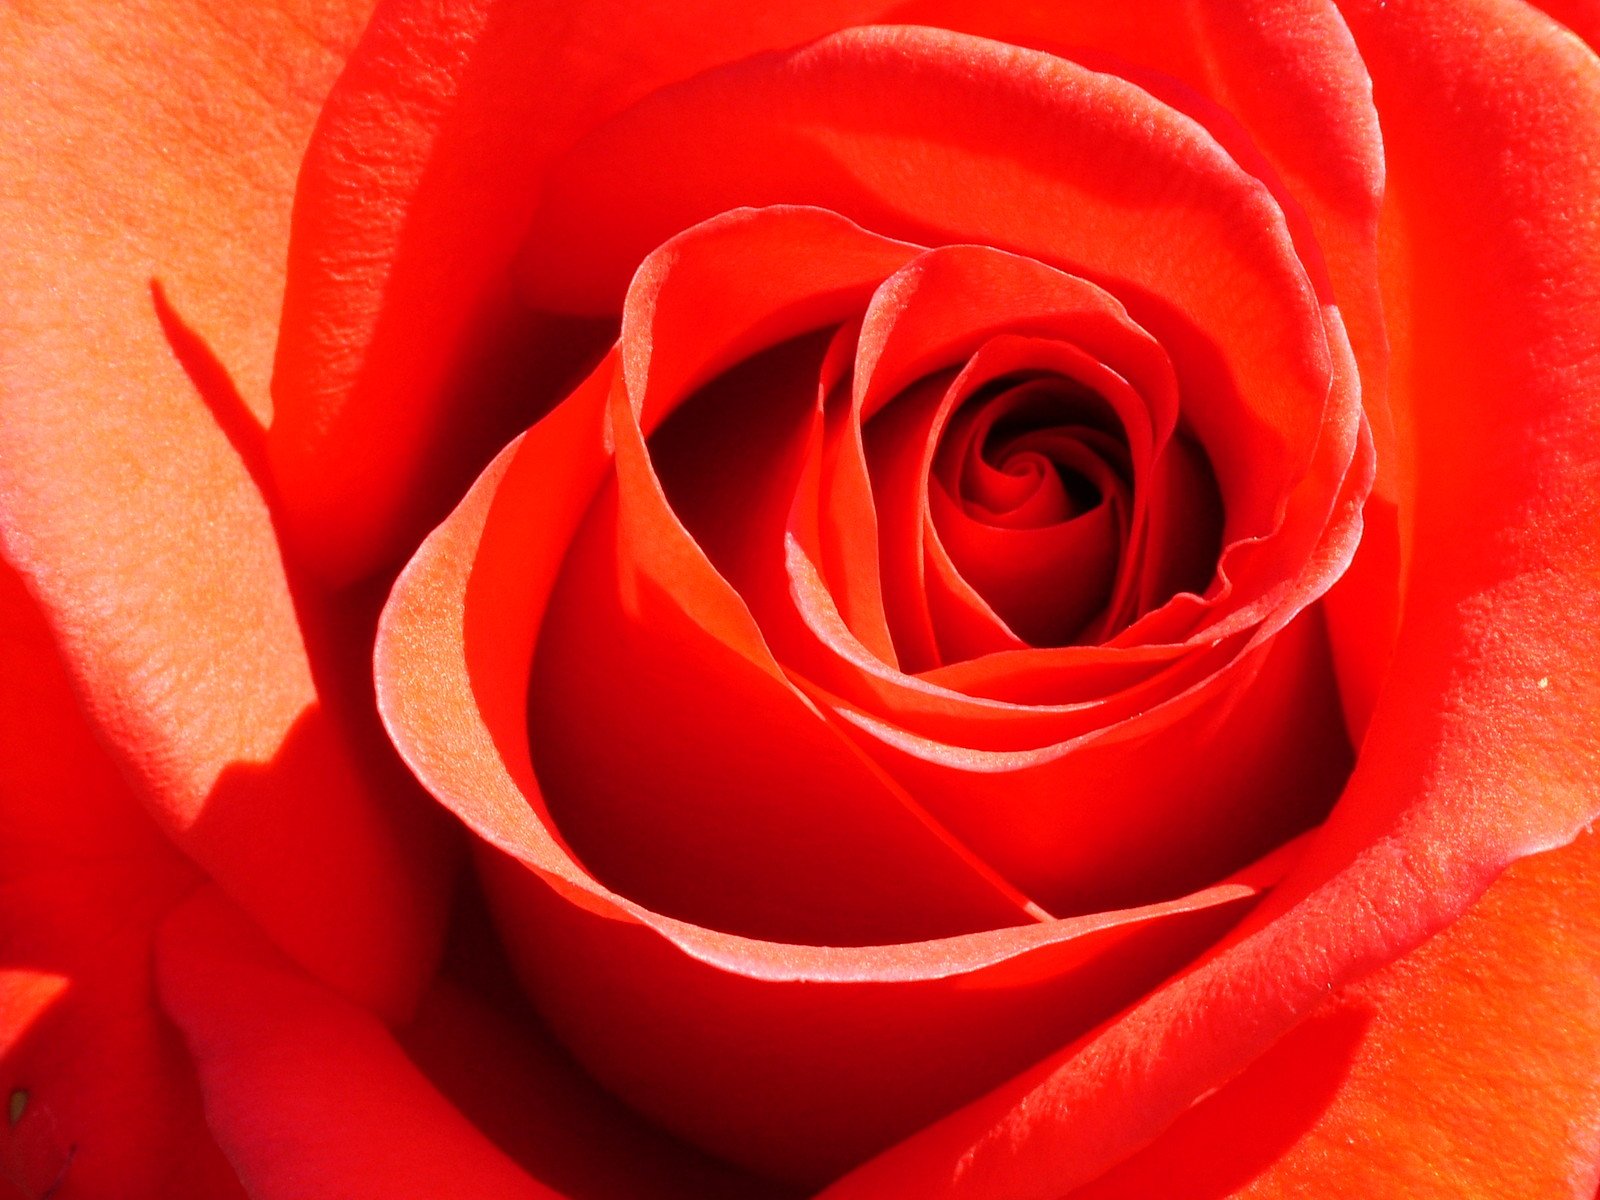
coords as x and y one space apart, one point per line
99 1099
482 1045
935 314
1152 805
833 519
428 162
1284 82
803 1068
310 1095
812 1057
151 152
1470 762
1396 1086
710 789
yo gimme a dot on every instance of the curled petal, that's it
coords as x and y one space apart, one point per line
1475 756
428 161
450 683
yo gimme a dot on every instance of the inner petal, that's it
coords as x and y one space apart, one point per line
1046 581
1008 501
1030 498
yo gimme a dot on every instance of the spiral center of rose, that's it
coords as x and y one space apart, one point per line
1043 461
1025 496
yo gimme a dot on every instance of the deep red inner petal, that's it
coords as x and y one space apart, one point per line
1030 497
1046 581
684 772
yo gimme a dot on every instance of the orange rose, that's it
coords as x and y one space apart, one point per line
979 584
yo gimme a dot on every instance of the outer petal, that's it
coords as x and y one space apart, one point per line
812 1055
1580 16
1465 1069
1483 747
309 1095
426 169
100 1100
150 151
477 1038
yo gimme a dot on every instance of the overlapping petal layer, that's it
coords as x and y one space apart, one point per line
1498 612
470 604
148 163
842 612
99 1097
685 745
883 627
1397 1084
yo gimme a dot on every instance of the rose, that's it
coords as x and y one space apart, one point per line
294 836
228 689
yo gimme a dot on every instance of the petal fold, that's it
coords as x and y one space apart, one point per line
100 1098
1481 748
310 1095
148 161
427 164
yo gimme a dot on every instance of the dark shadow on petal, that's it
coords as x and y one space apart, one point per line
339 629
482 1044
1233 1135
211 380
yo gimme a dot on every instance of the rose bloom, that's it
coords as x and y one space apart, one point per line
877 600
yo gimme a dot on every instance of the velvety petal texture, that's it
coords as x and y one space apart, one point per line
1397 1084
766 775
1001 601
100 1098
400 312
145 203
784 510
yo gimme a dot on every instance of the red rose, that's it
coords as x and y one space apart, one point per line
979 582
